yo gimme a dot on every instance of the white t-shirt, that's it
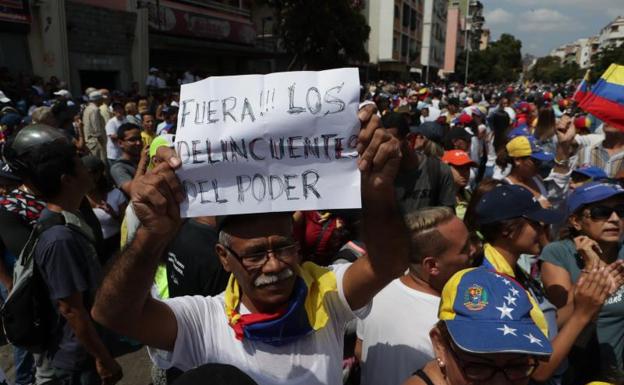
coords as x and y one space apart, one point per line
204 336
110 226
112 149
395 334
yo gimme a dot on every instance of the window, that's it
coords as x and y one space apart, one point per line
404 45
413 53
413 21
614 28
397 12
406 15
395 44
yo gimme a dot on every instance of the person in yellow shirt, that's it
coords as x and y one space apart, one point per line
148 128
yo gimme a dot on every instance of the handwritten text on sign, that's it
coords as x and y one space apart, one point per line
278 142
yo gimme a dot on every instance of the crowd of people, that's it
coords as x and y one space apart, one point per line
488 248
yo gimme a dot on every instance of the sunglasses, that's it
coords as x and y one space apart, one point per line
482 371
601 213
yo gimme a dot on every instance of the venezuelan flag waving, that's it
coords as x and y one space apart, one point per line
582 90
605 100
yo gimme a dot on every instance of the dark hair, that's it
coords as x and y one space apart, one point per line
396 120
121 131
146 113
503 159
492 231
96 166
500 125
64 114
48 164
116 105
470 218
546 122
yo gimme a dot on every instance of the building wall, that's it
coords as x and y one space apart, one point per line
485 39
434 31
119 5
100 42
583 54
381 21
612 34
396 32
453 37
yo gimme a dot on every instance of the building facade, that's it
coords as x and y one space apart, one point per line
15 24
455 39
612 35
395 38
113 43
463 30
433 38
582 50
484 41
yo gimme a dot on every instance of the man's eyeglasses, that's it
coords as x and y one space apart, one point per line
254 261
602 213
476 371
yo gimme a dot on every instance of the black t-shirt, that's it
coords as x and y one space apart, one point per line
430 184
193 267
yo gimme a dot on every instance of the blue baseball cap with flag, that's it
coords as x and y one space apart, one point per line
592 192
486 312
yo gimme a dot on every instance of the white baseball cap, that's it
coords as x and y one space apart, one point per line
63 93
3 98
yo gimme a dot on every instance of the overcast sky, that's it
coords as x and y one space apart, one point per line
542 25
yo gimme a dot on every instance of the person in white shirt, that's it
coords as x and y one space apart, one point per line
393 339
301 344
189 76
113 151
154 81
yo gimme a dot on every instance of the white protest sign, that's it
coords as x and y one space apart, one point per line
265 143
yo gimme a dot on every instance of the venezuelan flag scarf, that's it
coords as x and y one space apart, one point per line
304 313
495 261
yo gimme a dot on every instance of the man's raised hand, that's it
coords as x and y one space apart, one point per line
156 198
380 156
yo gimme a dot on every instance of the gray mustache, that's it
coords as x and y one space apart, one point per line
267 279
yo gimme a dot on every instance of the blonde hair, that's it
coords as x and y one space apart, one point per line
131 108
425 239
143 106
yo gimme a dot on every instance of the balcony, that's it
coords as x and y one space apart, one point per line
238 7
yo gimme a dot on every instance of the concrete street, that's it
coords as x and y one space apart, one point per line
136 366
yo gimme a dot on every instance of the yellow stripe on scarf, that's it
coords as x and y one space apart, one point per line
319 281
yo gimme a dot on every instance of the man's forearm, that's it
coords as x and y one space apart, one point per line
126 287
386 238
79 321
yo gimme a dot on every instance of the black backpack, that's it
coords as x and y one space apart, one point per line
28 315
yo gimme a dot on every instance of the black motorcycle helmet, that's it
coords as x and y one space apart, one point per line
18 148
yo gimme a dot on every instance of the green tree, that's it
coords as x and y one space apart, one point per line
550 69
321 34
501 61
544 68
602 60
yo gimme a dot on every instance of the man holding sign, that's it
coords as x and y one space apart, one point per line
280 321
